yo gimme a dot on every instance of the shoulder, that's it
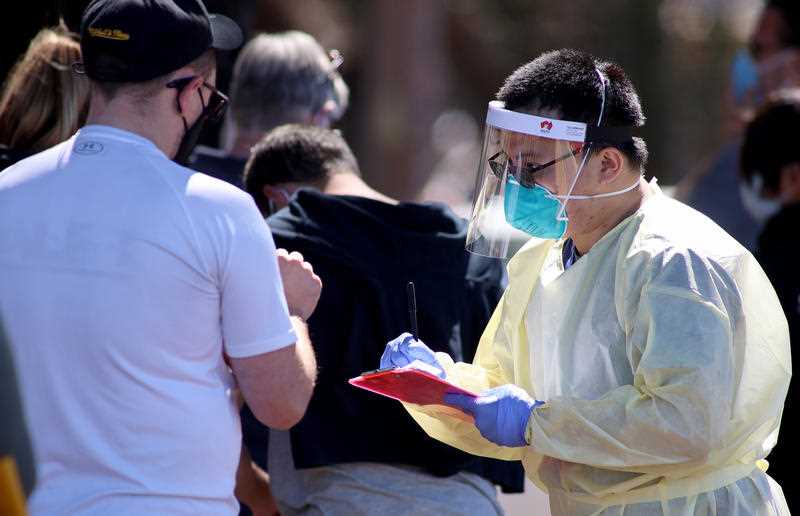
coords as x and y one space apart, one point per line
33 166
672 244
666 227
204 191
205 200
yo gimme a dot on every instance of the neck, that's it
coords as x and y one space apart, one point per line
121 115
613 210
245 139
345 183
242 143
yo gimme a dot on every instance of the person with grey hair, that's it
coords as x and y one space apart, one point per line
278 78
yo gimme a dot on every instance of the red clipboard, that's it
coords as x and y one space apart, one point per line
409 385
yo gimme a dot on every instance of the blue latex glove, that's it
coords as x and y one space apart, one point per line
501 414
406 350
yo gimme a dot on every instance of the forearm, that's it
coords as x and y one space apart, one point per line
252 486
306 361
300 378
453 427
629 426
248 483
277 386
677 405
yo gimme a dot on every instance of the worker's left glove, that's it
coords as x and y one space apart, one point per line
501 414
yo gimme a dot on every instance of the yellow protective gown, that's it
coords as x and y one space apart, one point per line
663 359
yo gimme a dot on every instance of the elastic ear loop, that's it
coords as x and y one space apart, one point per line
561 216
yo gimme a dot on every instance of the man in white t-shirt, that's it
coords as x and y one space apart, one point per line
127 281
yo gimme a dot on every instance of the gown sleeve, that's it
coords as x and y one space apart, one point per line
677 411
450 425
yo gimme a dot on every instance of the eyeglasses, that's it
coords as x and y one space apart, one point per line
217 102
336 58
527 175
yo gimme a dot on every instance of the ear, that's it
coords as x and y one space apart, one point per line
790 182
612 164
275 196
324 117
186 95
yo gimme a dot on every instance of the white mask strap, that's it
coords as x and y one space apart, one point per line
562 212
607 194
602 96
286 195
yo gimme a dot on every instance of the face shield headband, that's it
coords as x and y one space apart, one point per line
519 149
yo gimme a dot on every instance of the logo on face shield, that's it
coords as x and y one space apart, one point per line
545 126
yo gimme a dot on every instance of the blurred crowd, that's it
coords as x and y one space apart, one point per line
331 273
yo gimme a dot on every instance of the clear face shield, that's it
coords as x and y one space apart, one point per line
526 160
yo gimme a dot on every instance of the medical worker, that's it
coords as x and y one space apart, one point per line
639 359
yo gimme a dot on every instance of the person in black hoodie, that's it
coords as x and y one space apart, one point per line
770 165
354 452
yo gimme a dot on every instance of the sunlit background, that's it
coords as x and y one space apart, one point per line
422 71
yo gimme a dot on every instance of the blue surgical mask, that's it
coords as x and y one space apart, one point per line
539 212
744 76
533 210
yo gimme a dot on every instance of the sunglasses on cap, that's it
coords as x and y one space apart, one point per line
217 102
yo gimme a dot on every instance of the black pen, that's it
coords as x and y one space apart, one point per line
412 308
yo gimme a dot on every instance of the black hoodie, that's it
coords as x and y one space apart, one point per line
366 251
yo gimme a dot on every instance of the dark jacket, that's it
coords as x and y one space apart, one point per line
365 252
217 163
10 156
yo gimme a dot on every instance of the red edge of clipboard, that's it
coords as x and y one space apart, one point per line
408 385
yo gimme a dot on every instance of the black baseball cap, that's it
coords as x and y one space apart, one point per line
139 40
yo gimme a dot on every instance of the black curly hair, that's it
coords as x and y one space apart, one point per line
790 9
566 80
770 140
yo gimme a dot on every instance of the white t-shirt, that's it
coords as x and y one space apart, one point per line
123 278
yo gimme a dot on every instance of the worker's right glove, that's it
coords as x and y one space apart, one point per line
501 414
405 350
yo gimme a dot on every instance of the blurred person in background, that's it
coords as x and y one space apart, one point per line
375 460
771 62
278 78
136 293
771 165
43 101
639 359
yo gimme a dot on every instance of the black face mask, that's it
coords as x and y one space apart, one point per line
190 137
217 103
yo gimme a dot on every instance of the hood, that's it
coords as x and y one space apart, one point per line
348 229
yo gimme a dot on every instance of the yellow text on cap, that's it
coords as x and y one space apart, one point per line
109 34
